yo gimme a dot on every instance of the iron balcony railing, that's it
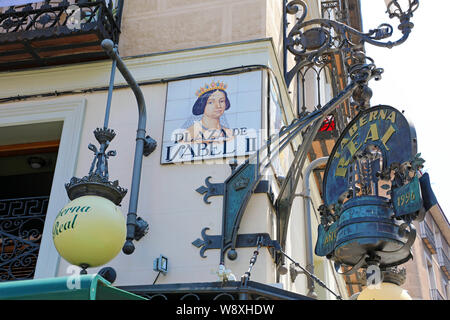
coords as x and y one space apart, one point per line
21 226
443 260
428 237
56 32
436 295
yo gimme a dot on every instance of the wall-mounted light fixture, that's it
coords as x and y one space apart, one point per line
90 230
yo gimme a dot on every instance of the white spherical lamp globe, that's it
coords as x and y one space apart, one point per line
89 231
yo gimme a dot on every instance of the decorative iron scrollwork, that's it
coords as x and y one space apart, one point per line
208 242
59 16
311 39
242 241
211 189
218 189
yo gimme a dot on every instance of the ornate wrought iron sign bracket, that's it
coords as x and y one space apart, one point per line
237 188
242 241
323 36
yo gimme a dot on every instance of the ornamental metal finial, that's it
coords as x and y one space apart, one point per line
97 181
104 137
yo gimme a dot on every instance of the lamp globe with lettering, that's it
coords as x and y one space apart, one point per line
90 231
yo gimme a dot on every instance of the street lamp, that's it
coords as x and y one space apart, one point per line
91 230
389 287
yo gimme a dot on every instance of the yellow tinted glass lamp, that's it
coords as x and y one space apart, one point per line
389 289
90 230
384 291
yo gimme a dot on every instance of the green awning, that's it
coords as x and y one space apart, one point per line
89 287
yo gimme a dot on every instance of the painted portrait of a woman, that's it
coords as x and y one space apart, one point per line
209 108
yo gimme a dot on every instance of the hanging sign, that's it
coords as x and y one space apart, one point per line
371 176
407 198
326 239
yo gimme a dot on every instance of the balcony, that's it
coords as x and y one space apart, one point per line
428 237
56 32
444 263
209 291
435 295
21 226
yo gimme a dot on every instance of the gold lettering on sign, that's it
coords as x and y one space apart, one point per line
353 129
362 121
387 136
330 237
353 142
405 198
344 143
383 114
373 116
391 117
372 134
341 169
353 145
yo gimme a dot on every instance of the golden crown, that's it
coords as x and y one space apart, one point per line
210 87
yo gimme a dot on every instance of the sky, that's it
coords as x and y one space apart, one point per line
415 80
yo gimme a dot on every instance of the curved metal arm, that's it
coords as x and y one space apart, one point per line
307 209
112 52
373 36
142 142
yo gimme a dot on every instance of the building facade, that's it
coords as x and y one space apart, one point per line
430 267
